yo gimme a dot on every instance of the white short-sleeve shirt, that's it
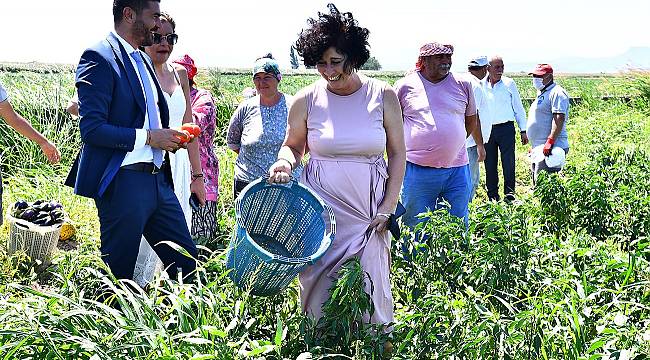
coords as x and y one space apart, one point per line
3 94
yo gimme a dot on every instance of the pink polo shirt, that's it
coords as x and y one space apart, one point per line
434 119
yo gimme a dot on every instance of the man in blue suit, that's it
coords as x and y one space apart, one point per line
124 164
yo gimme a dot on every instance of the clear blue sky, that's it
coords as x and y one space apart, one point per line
233 33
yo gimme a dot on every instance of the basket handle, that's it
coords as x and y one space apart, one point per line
325 244
292 181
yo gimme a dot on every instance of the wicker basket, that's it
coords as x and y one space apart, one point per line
37 241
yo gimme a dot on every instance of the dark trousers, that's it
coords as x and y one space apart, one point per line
502 140
139 203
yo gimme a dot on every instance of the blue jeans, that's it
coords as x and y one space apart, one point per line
425 187
474 170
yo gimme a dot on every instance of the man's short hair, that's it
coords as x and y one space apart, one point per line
119 5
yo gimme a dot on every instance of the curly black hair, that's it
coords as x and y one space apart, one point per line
336 29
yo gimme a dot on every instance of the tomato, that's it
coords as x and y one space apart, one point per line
185 138
192 129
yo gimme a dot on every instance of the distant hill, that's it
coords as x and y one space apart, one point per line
633 58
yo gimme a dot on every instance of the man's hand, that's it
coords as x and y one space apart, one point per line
548 146
524 138
166 139
480 150
51 152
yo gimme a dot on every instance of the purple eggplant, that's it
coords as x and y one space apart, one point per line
21 205
29 214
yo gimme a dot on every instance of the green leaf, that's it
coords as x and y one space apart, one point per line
279 330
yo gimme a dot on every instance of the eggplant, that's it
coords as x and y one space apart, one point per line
42 221
21 205
29 214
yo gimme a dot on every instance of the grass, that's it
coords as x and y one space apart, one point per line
563 273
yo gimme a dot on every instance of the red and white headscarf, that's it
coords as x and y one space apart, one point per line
433 48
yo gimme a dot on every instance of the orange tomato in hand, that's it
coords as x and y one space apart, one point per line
192 128
185 138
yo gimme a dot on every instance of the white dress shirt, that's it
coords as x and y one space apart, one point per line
3 94
505 102
484 111
141 152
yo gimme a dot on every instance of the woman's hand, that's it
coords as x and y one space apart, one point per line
379 223
280 172
197 186
51 152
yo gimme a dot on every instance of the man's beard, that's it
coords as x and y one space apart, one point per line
143 34
444 69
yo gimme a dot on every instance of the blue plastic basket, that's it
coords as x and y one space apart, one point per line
280 230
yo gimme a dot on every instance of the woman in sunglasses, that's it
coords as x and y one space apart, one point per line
185 164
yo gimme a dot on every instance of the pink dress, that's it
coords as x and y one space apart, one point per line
346 139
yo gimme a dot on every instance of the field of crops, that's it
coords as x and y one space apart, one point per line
562 273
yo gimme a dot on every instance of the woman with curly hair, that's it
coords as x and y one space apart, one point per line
346 121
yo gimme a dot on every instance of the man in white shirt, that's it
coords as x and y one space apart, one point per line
477 68
124 126
506 107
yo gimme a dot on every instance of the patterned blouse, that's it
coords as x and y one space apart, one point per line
205 116
258 132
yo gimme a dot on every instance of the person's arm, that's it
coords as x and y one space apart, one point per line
559 107
23 127
95 91
470 125
293 148
236 129
520 113
197 185
470 108
477 135
396 151
557 125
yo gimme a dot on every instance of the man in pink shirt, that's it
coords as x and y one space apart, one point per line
439 114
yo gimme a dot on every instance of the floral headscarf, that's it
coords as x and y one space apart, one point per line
267 65
188 63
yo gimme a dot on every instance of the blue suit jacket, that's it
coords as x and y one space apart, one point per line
111 107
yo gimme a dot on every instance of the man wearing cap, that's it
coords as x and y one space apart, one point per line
477 68
505 103
547 117
439 114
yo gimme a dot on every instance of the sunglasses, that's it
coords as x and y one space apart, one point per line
171 39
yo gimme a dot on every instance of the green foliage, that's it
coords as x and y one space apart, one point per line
562 273
555 206
344 328
293 58
371 64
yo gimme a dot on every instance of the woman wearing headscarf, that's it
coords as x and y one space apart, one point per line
258 126
204 218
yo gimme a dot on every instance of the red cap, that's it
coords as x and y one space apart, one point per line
542 69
